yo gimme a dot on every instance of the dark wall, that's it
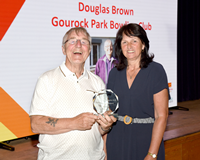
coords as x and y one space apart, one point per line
188 50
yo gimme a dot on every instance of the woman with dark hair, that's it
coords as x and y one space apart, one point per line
142 88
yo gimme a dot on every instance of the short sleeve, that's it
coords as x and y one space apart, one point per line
41 97
159 76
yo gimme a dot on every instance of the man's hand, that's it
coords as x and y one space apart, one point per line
105 122
84 121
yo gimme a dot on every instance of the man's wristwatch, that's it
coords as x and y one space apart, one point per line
152 155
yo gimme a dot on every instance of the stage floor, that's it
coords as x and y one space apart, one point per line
180 123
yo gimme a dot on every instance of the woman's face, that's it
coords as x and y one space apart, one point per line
131 47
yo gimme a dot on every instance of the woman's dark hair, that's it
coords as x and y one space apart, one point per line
132 29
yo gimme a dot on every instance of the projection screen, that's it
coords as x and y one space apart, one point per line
31 33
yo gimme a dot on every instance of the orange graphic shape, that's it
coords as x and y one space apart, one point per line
13 116
8 11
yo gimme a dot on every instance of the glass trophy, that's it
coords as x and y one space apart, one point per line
106 100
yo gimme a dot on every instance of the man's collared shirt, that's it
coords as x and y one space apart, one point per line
60 94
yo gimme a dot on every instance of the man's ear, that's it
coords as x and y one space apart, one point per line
63 50
90 48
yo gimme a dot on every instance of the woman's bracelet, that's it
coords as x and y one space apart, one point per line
106 130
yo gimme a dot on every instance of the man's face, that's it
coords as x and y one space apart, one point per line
76 52
108 48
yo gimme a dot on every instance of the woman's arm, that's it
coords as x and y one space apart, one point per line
161 114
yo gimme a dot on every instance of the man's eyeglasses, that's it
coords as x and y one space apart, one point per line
74 41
